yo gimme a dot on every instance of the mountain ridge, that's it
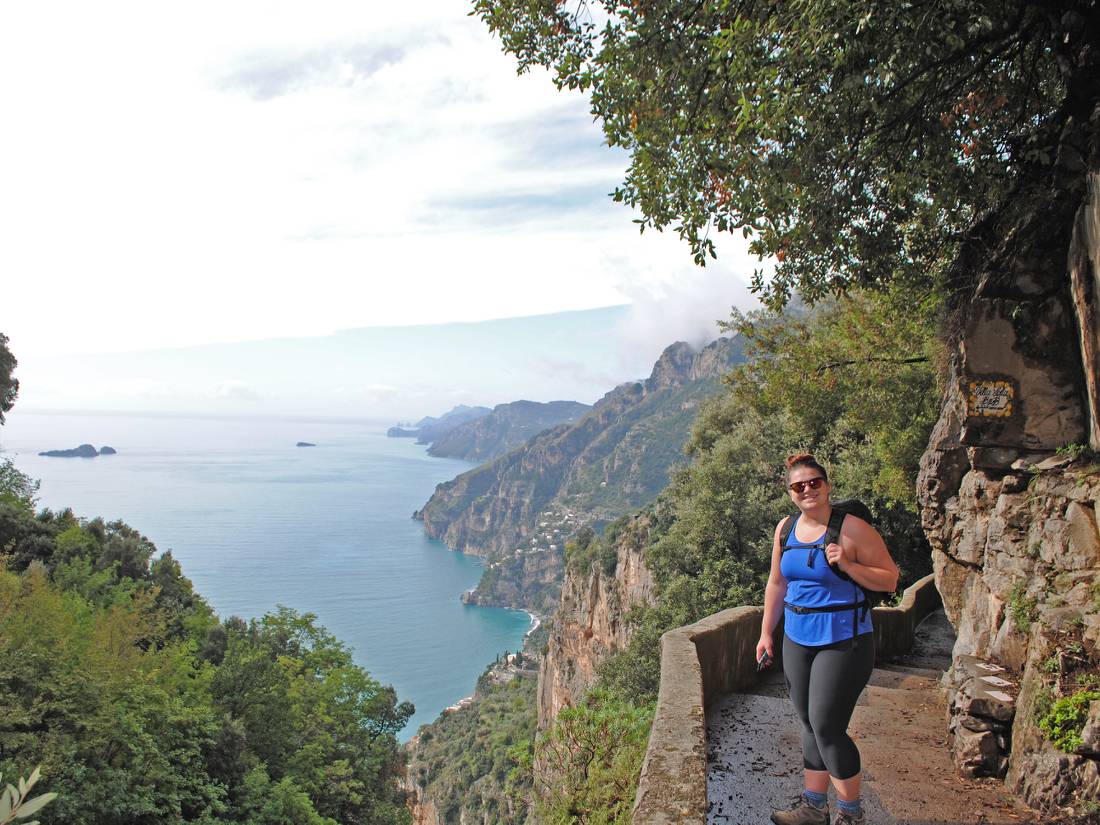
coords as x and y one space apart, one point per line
518 510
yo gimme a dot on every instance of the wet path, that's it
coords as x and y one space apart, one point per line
754 757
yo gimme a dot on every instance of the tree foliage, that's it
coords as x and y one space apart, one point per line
466 761
9 384
141 706
586 764
852 141
855 381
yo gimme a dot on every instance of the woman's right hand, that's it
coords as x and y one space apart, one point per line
765 645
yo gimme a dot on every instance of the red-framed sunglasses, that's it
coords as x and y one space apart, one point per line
812 483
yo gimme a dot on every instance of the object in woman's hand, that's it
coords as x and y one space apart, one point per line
764 660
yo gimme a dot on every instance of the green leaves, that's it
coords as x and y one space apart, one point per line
9 384
589 760
15 805
142 707
855 140
1065 720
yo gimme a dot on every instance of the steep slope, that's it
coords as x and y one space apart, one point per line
519 510
590 623
430 429
508 426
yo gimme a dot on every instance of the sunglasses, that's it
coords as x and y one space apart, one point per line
812 483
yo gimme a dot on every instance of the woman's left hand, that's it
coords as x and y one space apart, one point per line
837 555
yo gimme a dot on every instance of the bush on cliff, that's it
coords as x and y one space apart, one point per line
586 764
140 705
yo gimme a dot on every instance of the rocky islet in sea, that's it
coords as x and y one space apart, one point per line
83 451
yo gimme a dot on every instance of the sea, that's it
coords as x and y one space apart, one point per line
257 522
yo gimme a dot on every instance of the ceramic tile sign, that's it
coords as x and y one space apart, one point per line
990 398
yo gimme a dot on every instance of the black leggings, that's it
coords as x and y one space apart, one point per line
824 683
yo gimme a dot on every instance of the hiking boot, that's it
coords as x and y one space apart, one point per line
802 812
843 818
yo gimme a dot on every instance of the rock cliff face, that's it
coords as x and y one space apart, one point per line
589 625
508 426
610 462
429 429
1013 522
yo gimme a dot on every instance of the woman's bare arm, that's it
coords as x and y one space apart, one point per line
774 594
862 554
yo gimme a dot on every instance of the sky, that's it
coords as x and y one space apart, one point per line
176 177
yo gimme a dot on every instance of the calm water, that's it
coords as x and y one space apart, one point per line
257 522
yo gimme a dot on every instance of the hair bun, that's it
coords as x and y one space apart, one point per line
799 458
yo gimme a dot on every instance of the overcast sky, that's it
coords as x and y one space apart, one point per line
215 172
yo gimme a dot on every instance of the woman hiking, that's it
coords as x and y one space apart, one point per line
828 644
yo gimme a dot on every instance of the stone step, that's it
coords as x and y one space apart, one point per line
932 674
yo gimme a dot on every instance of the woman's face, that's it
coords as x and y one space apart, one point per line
800 484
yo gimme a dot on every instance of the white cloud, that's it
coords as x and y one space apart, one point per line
683 303
236 390
214 172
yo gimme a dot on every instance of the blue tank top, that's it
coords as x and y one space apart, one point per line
812 583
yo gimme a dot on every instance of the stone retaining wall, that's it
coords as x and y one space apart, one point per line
713 657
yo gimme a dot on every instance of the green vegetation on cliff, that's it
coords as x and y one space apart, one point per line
586 765
140 706
466 761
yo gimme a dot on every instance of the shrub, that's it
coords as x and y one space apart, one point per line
1065 719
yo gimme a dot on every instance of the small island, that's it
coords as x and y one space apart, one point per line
305 444
83 451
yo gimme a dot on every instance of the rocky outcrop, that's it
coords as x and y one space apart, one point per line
590 622
610 462
423 810
1009 512
508 426
83 451
527 580
430 429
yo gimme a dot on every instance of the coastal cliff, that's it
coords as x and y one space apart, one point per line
590 623
508 426
1010 496
612 461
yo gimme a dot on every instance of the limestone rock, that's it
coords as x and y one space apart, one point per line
977 754
1013 525
590 623
1090 735
1052 463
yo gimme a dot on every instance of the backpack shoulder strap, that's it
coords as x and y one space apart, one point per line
836 521
785 533
832 536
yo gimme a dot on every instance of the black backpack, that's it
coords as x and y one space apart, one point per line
841 509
